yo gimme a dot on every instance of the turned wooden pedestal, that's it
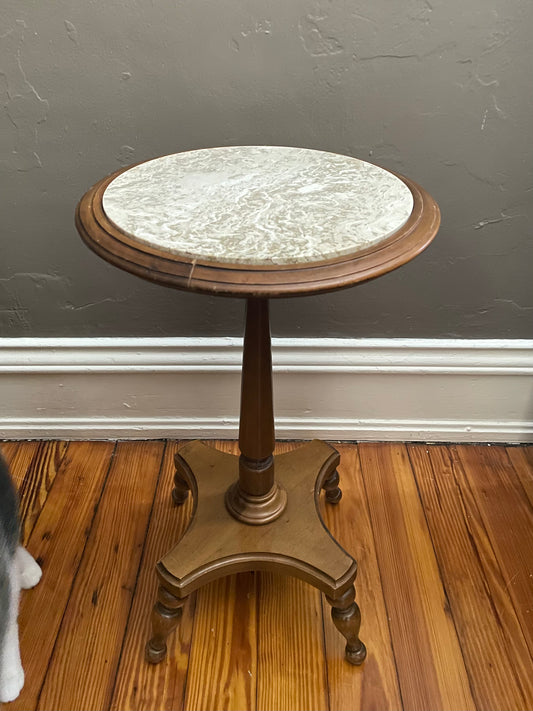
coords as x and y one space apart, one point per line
256 511
258 223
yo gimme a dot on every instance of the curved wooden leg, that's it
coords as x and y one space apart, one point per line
331 487
181 487
165 617
347 618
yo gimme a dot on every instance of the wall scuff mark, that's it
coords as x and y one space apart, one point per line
316 40
71 31
125 155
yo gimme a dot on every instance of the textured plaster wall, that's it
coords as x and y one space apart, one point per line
437 89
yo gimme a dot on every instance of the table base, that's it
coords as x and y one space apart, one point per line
217 544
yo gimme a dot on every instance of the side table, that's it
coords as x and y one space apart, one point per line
256 222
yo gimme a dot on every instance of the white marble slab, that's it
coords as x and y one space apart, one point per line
258 204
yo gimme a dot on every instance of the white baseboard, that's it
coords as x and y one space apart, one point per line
384 389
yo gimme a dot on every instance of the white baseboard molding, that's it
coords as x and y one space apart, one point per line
383 389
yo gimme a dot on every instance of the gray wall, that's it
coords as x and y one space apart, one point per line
437 89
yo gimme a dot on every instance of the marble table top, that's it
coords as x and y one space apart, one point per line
258 205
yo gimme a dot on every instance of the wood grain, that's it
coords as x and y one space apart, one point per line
37 483
498 680
375 684
522 460
228 609
18 456
217 544
33 467
267 648
92 629
508 518
231 600
290 639
430 665
291 646
497 581
256 422
57 542
223 661
138 683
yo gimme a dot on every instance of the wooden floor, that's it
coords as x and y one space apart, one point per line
444 540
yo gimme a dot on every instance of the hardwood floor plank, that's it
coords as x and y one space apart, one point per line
37 483
18 456
224 642
291 671
9 449
374 685
291 659
508 518
90 639
58 541
496 655
223 660
139 685
256 641
431 669
522 460
33 466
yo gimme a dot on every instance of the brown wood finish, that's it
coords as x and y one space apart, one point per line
291 645
522 460
290 620
40 462
101 235
223 667
166 614
256 427
102 593
39 478
375 685
508 518
266 624
423 632
58 542
474 583
252 628
256 498
137 684
332 488
215 545
223 661
18 456
346 615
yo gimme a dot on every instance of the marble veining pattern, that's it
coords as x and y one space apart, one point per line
258 204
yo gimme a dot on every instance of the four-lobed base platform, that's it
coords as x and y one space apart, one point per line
296 543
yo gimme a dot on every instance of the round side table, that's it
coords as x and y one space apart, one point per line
256 222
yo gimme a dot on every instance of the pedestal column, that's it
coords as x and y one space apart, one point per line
256 498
